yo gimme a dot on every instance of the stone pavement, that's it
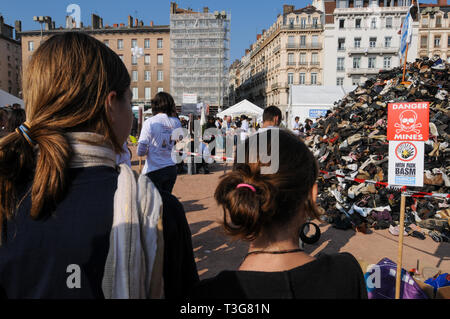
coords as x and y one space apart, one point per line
214 252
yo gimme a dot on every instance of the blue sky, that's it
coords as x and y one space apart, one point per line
248 17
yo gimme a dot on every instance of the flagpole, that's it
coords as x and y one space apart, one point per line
406 60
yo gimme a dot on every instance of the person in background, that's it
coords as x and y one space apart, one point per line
271 117
296 126
308 126
268 212
156 142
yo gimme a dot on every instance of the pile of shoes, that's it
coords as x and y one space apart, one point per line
352 142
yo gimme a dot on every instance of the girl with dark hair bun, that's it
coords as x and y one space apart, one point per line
268 211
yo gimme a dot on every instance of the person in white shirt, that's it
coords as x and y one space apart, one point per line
296 126
271 118
156 142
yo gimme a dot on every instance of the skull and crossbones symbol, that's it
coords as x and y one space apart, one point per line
408 123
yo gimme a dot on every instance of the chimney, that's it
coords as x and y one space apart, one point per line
247 51
130 21
48 24
288 9
81 25
151 23
173 8
115 25
136 22
18 26
258 36
101 23
442 3
205 10
141 24
122 25
53 25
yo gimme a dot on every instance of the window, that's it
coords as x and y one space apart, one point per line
302 58
358 3
147 44
387 42
389 23
342 3
314 78
147 76
372 42
315 41
357 43
120 44
30 46
303 23
315 24
290 78
425 22
355 80
358 23
372 62
340 64
160 59
315 58
291 59
160 44
387 62
133 60
135 92
106 42
303 41
373 23
134 76
160 90
437 41
147 59
133 43
341 44
438 22
148 93
356 62
160 76
448 41
340 81
423 41
291 41
341 23
302 79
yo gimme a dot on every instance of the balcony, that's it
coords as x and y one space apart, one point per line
277 49
363 71
303 46
290 63
372 50
302 27
303 63
314 64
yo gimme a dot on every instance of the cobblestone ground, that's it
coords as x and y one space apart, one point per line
214 252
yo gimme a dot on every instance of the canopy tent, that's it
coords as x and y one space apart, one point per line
242 108
311 102
6 98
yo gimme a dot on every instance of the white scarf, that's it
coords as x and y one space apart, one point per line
134 235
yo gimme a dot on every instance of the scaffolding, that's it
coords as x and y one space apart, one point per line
200 47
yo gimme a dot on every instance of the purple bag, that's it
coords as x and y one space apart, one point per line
380 282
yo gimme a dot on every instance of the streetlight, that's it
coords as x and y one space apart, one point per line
220 16
42 20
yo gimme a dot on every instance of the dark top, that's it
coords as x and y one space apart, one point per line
35 258
328 277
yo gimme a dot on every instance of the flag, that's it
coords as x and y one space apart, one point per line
407 30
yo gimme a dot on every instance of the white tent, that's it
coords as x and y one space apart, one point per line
6 98
242 108
311 102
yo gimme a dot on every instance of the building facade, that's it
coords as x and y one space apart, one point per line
434 30
361 38
289 52
10 59
149 71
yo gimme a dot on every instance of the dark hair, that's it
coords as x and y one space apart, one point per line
16 118
278 198
163 103
297 118
270 113
66 86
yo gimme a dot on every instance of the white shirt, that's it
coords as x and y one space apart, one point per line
156 142
296 128
245 125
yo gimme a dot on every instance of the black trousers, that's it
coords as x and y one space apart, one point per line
164 179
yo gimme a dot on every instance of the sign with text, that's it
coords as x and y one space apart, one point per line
409 121
317 113
406 163
189 98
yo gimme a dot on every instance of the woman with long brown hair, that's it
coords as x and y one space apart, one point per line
270 211
71 224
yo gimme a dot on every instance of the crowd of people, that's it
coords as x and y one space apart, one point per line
67 209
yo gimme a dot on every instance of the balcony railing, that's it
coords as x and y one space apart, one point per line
309 46
363 71
291 63
303 27
372 50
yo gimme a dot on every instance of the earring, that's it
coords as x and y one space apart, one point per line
304 239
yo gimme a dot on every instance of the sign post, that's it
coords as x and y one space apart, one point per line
408 129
